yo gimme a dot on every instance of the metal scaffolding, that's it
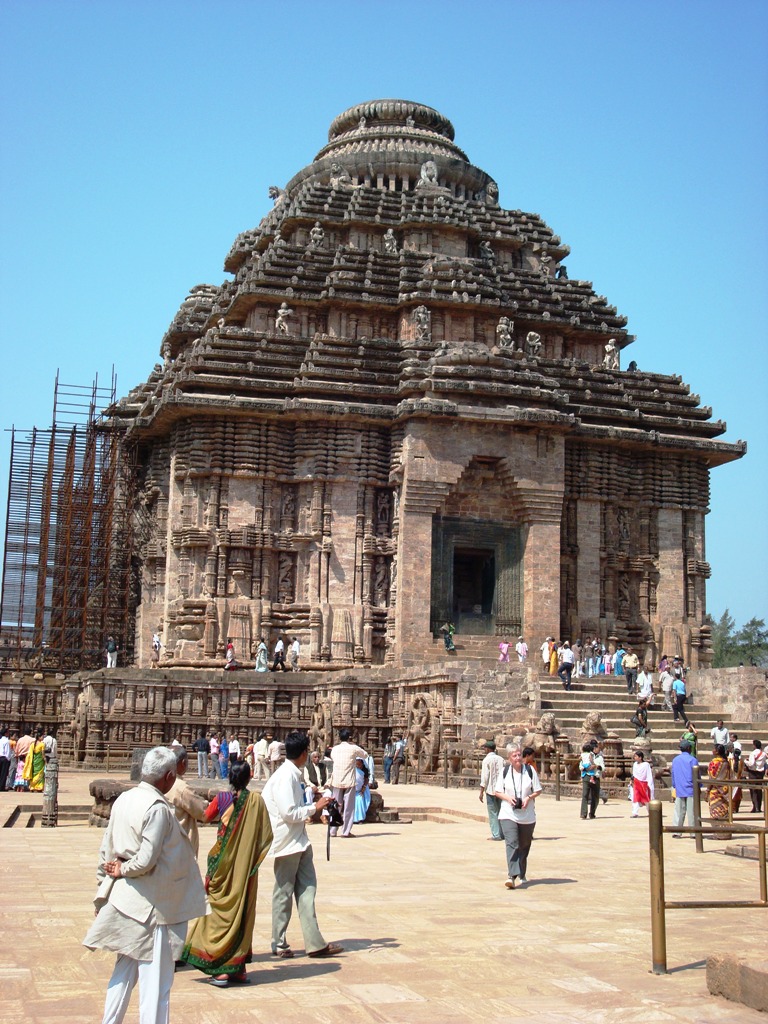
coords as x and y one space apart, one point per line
67 563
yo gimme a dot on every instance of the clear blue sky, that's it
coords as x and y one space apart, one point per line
138 138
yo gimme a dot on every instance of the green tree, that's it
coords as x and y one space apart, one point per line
752 642
723 633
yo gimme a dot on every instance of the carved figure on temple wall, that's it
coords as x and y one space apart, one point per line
285 592
283 315
383 511
562 272
390 242
409 122
320 727
423 743
339 177
504 330
622 521
428 176
423 320
532 344
544 260
361 123
491 195
80 725
276 194
289 504
380 582
611 357
316 235
624 599
485 250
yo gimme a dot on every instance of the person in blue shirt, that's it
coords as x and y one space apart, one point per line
683 768
679 696
224 756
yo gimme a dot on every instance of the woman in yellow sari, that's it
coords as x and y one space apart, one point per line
553 658
34 765
219 944
719 768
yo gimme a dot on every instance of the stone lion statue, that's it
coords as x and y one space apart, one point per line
593 727
542 739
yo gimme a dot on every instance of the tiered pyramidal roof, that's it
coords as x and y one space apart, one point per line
387 281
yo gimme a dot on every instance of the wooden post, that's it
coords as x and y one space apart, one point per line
658 918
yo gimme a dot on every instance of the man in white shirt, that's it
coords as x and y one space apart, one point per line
344 756
490 773
545 652
279 662
522 650
234 750
260 769
720 734
295 651
566 664
275 753
295 876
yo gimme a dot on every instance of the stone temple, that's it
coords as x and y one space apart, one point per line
400 411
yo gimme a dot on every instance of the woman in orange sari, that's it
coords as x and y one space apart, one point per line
719 768
220 944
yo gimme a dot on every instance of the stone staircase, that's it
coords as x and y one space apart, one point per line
481 651
608 695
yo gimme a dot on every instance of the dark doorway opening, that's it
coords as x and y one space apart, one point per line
474 586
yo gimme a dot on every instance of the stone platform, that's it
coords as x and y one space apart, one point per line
432 935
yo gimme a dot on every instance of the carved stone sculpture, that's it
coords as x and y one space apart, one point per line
485 250
316 235
283 315
339 177
276 194
504 330
611 357
544 260
532 344
428 176
423 320
390 242
423 744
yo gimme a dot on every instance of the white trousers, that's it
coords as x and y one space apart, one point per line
155 978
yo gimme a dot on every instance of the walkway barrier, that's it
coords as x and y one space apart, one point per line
659 903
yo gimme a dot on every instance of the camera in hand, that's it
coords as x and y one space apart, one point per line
517 804
335 818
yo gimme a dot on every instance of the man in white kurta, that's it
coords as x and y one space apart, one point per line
150 887
295 876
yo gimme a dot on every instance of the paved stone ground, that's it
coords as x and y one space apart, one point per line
432 935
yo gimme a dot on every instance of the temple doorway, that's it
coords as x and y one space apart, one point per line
474 587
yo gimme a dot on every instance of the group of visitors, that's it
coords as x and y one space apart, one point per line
218 752
152 907
521 649
23 759
282 644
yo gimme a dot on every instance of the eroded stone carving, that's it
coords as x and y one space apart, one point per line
428 175
504 330
316 235
283 316
532 344
423 321
390 242
611 357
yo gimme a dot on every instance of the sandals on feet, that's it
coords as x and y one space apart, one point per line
285 953
332 949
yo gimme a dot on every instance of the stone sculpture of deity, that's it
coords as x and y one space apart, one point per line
390 242
532 344
428 176
504 330
485 250
316 235
281 320
544 260
611 357
423 320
